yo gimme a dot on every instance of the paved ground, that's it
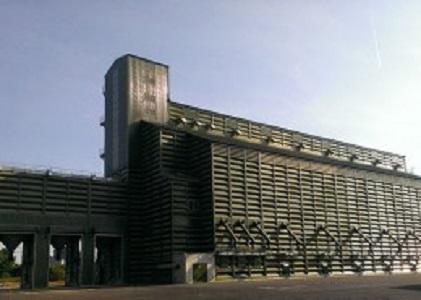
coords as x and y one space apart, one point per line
400 287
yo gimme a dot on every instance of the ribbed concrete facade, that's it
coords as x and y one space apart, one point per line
191 194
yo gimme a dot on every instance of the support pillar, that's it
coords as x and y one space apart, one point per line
116 262
88 259
109 264
72 261
41 259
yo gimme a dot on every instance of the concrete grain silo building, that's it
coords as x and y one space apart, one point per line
190 194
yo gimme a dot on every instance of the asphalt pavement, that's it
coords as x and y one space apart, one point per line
384 287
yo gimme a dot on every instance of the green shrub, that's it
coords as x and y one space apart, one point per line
57 273
7 268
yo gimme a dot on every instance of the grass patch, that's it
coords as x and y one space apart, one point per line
9 279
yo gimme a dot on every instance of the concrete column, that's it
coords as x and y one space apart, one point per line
115 260
88 263
72 261
41 259
109 260
104 263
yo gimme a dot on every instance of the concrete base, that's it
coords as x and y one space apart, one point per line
184 262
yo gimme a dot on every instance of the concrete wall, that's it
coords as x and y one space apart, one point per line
136 89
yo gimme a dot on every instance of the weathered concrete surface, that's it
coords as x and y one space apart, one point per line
402 287
184 273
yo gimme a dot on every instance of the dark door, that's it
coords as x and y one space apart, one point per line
200 273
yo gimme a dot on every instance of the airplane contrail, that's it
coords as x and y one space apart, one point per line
376 43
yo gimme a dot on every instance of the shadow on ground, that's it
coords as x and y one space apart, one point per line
412 287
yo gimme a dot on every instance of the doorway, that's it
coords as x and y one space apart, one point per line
64 261
200 272
16 261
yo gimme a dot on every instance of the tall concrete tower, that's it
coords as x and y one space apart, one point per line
136 89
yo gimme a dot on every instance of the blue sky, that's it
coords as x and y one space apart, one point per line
349 70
